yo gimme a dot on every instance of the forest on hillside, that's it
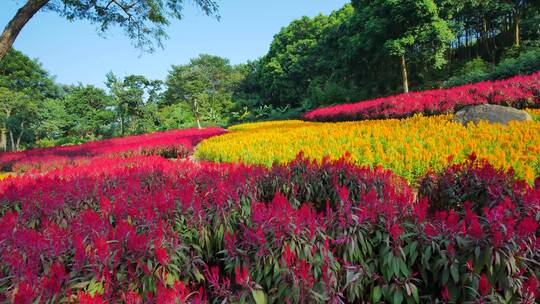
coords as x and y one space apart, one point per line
364 50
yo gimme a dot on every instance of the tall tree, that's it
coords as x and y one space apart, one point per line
16 114
53 122
20 73
89 111
22 80
205 85
143 21
132 96
291 63
406 29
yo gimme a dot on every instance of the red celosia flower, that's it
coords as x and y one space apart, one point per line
527 227
343 193
483 285
161 254
132 297
303 272
137 242
105 206
446 294
289 256
474 228
183 292
176 142
102 248
242 275
470 265
25 294
166 295
530 287
53 282
395 231
510 91
85 298
420 209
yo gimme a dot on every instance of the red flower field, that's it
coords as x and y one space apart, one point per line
175 143
150 230
518 92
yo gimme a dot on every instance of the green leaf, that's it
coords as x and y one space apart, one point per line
376 294
259 296
454 272
398 297
415 295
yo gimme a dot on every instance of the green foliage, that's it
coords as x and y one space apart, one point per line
20 73
143 22
205 86
473 71
525 62
348 55
52 122
174 116
134 99
88 112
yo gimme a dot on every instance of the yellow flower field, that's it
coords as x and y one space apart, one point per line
409 146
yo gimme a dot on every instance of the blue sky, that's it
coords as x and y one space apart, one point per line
74 52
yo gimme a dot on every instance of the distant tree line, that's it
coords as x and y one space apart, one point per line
36 111
364 50
372 48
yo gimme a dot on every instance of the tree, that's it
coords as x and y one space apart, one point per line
143 21
20 73
88 111
16 114
53 121
406 29
22 80
291 63
174 116
134 96
205 85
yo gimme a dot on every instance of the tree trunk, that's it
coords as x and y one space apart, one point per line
121 125
196 112
12 140
405 77
14 27
18 143
517 34
3 139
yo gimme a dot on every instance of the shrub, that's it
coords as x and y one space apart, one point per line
475 70
526 63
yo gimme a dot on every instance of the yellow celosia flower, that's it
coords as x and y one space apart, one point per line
409 147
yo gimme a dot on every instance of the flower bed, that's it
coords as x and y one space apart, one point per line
174 143
145 229
409 147
517 92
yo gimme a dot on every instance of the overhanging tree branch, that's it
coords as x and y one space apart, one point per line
14 27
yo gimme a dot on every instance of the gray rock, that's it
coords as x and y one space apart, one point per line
490 113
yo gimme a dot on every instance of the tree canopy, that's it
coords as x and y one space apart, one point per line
205 86
143 21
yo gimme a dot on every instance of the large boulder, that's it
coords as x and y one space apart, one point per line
490 113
